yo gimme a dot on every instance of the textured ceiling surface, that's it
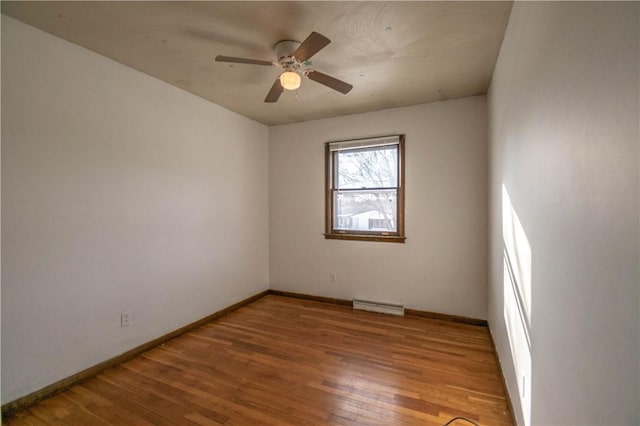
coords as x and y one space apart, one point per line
394 53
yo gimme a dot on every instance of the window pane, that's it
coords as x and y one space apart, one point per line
366 210
368 168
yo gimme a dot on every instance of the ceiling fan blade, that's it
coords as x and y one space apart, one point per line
312 45
275 92
221 58
329 81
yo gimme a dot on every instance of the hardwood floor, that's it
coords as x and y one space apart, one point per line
285 361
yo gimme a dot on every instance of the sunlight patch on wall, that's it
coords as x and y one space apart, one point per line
517 246
517 299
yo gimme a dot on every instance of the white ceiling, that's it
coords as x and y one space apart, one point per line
394 53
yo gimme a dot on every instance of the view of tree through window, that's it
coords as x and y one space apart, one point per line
365 188
367 182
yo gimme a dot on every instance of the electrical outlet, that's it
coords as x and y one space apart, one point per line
332 277
124 319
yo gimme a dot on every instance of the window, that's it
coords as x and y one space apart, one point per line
365 189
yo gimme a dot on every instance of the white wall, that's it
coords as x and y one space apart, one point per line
442 267
563 131
119 192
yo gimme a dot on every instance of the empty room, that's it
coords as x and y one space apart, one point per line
320 213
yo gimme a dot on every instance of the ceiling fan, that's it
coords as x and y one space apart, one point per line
292 58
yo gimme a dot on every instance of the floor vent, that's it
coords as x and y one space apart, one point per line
385 308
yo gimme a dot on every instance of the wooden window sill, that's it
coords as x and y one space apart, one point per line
366 237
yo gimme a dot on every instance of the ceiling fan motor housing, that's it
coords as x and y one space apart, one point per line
284 52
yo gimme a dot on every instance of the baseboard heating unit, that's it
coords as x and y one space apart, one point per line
385 308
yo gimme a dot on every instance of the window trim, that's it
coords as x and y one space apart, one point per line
330 179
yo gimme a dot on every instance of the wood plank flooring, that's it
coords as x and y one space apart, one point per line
285 361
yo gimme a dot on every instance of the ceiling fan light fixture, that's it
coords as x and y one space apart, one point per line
294 58
290 80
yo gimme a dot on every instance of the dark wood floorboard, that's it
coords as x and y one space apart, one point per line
285 361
